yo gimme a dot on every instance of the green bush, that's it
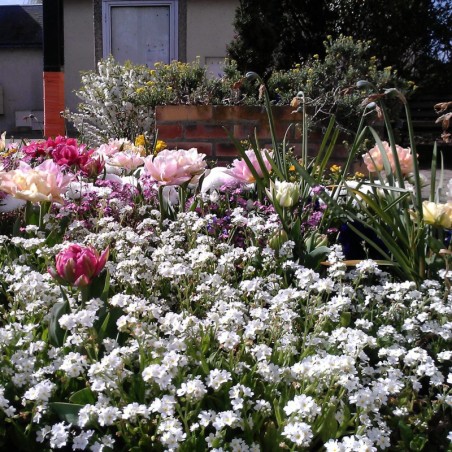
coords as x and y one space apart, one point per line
329 84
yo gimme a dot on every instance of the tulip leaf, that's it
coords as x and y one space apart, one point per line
66 411
31 214
329 426
104 294
108 327
83 397
98 288
56 333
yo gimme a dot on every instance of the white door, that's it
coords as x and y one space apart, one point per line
141 31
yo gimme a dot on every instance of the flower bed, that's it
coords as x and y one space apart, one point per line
148 304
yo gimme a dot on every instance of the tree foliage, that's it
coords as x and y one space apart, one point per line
415 36
275 34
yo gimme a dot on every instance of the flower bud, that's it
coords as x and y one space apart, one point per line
285 193
277 240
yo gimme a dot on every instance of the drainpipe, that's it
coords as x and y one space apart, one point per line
53 37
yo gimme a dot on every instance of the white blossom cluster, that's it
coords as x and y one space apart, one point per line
223 348
110 106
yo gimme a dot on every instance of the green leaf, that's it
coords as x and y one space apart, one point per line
418 443
66 411
56 235
329 426
278 408
56 333
108 327
405 432
83 397
99 286
270 437
31 214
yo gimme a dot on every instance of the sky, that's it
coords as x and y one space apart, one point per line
16 2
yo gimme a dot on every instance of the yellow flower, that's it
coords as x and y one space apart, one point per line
335 168
359 175
140 140
292 168
159 146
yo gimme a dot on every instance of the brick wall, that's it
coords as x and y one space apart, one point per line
207 127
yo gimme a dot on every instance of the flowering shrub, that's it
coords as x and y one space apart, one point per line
110 106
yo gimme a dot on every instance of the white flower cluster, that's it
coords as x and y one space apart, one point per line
223 348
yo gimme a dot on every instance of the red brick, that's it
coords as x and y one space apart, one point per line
286 113
205 148
204 131
169 131
243 131
174 113
226 150
237 113
263 131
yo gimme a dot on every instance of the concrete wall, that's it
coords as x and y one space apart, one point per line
78 46
21 80
209 28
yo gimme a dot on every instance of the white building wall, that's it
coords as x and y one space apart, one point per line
209 29
21 83
78 46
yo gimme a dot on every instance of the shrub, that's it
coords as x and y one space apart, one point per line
329 84
111 106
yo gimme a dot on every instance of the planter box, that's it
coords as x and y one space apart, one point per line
207 128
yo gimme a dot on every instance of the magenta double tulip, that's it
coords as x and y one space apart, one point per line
77 265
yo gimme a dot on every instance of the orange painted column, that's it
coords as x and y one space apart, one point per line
53 104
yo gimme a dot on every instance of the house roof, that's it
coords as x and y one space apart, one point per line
21 26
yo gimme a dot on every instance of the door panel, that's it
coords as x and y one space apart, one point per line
142 32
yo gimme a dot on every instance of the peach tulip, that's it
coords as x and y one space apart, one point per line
44 183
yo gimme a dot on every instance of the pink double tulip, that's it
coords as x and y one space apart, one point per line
373 159
240 169
77 265
175 167
127 160
44 183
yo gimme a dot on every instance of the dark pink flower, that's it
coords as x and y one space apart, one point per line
93 166
77 265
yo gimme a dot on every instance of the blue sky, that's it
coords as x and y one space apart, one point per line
16 2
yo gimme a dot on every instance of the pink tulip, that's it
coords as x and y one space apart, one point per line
373 159
128 160
77 265
240 169
93 166
44 183
175 167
